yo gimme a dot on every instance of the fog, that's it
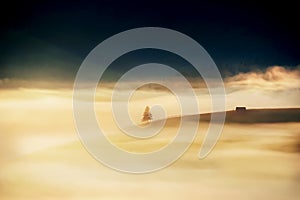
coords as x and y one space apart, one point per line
42 157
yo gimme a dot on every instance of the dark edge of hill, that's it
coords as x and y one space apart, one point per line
250 116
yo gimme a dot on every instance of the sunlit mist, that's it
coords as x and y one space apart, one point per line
41 152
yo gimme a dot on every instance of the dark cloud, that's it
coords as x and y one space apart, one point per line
49 39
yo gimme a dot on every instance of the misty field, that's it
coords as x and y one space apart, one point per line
42 157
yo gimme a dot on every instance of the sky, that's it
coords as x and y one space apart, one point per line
48 40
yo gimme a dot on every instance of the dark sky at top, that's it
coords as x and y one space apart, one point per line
50 39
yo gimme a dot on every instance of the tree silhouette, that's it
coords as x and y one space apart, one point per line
147 116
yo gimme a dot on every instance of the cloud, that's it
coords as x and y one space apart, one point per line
13 83
273 78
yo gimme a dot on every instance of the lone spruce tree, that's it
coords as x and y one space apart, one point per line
147 116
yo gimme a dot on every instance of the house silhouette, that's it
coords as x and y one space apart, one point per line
240 109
